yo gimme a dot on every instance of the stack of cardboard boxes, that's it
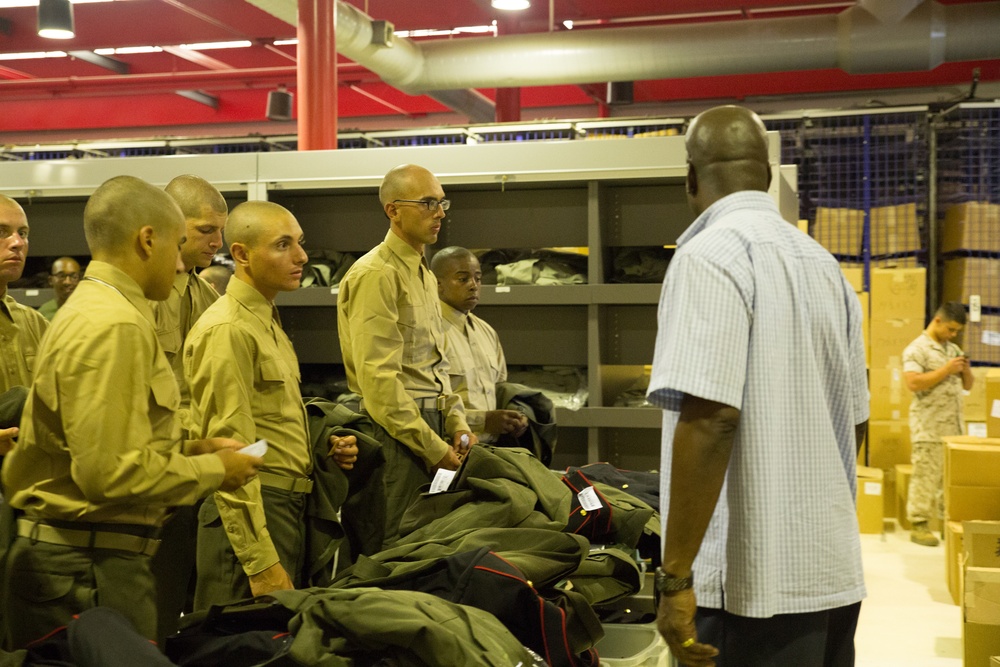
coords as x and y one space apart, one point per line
897 317
894 230
974 227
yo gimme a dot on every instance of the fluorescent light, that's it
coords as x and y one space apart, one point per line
32 55
126 50
206 46
285 42
568 23
510 5
9 4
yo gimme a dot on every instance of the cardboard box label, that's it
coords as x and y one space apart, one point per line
995 409
873 489
991 338
977 429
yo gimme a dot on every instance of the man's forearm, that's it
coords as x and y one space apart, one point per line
702 446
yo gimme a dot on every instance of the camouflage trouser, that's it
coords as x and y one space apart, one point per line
926 499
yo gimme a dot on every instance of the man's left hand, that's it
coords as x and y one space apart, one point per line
344 450
675 621
8 438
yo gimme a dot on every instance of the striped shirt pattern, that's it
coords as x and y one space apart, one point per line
756 315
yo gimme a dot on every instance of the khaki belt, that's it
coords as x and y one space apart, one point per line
86 538
427 403
292 484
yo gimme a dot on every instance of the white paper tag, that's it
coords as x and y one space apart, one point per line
975 308
995 409
30 292
896 415
442 480
503 289
589 500
335 289
873 488
258 448
991 338
977 429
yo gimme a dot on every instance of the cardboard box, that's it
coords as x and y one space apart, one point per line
889 493
888 443
982 340
971 226
979 642
890 399
839 230
974 400
972 276
981 543
888 339
894 229
992 399
870 500
903 473
898 294
865 325
954 556
976 429
971 461
981 596
855 275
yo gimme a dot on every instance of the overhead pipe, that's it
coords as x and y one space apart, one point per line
853 40
258 77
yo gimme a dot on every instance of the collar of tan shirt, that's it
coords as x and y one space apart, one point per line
454 316
7 305
103 272
404 251
247 296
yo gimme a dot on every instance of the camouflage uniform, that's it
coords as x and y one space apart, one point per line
934 413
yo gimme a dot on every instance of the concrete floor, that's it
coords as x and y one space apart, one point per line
908 618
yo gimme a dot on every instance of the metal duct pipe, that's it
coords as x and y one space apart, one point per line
854 40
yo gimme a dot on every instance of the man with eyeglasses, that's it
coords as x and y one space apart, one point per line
393 343
63 278
21 327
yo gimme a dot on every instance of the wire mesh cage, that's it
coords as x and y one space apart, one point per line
968 213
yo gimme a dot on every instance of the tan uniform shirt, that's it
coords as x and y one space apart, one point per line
100 440
476 364
391 337
244 379
934 412
21 330
189 298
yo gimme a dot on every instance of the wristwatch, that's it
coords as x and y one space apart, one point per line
665 583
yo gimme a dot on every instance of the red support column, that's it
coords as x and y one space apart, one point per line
317 75
508 105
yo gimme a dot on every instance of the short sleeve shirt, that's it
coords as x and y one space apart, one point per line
934 412
756 315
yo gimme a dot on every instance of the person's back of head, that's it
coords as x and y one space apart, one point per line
136 227
194 195
727 153
952 311
217 276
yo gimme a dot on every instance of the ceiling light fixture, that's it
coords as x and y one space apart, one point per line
55 19
510 5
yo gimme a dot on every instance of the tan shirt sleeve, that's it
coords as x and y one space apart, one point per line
112 412
219 367
376 348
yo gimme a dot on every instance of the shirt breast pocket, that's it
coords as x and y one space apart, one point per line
270 389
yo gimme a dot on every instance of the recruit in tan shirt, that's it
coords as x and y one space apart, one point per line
244 380
189 298
476 364
21 330
391 338
934 412
100 441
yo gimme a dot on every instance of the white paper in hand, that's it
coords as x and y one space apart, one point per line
258 448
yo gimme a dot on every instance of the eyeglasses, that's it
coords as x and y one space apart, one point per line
432 205
72 277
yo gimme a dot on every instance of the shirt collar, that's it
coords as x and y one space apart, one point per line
182 281
8 305
404 250
941 346
752 199
453 315
124 283
247 296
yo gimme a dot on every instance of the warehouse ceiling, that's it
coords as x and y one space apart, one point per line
203 67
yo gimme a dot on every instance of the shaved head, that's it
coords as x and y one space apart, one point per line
400 182
120 207
443 258
250 218
193 194
727 151
11 205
